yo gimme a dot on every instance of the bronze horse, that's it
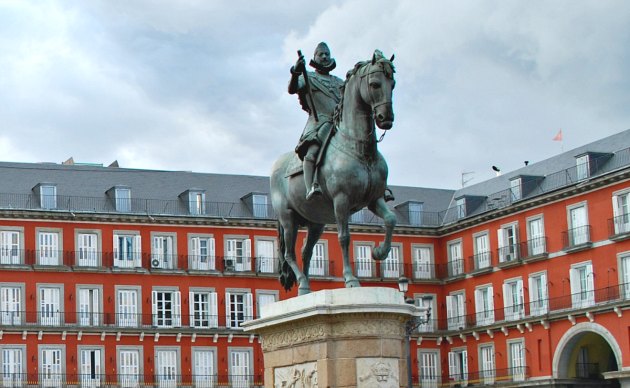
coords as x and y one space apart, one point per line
352 175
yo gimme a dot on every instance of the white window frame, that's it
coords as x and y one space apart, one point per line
238 253
484 304
91 367
516 359
429 368
196 202
131 254
460 208
513 299
130 375
50 312
263 298
163 250
266 261
415 213
204 372
51 374
239 307
89 304
363 263
482 253
458 366
456 310
319 259
88 248
12 303
582 280
423 259
201 252
260 205
487 363
621 211
623 264
240 375
129 314
455 257
11 245
49 246
508 241
166 307
167 366
516 188
538 294
392 266
536 241
578 232
13 363
203 308
48 196
122 199
427 300
582 167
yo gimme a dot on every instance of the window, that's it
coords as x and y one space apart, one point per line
202 256
48 196
238 254
89 306
538 299
10 252
129 371
513 301
621 212
238 308
11 297
508 243
428 302
455 311
259 203
204 366
128 306
536 242
624 264
240 368
87 250
578 225
197 203
415 213
166 367
203 308
455 261
13 362
429 368
423 262
166 308
264 298
91 366
458 367
51 366
391 266
123 199
516 354
48 248
486 364
163 252
50 309
127 251
515 189
265 256
319 261
484 305
583 170
482 251
363 260
460 205
582 287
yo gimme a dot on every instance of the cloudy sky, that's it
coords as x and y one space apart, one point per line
201 85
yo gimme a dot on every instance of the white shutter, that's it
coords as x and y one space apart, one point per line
574 278
615 205
177 309
211 254
545 296
521 298
137 254
191 308
116 251
249 306
453 370
247 254
479 306
154 308
214 314
464 365
507 300
500 239
449 307
228 321
533 298
590 283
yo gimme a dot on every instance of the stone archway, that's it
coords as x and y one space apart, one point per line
585 352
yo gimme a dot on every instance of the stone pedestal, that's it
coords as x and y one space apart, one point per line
352 337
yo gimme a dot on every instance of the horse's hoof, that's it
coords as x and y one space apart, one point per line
304 291
379 254
352 283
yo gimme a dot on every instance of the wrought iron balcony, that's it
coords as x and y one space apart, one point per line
576 238
619 227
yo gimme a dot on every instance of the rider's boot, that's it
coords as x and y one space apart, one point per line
309 171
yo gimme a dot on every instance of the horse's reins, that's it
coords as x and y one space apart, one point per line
387 101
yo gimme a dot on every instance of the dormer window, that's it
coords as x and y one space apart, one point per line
259 205
48 196
583 170
122 198
196 202
515 189
460 204
415 213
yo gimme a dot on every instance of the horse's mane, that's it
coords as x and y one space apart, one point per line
388 68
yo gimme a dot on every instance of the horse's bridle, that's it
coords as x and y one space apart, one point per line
367 76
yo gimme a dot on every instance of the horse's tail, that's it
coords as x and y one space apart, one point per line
287 276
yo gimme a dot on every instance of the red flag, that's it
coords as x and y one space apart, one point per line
558 137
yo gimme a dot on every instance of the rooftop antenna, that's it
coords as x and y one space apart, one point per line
465 178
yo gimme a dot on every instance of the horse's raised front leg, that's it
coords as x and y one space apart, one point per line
342 214
380 209
290 235
314 233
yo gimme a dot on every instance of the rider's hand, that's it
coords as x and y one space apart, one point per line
300 65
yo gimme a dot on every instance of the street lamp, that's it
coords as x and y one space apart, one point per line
410 326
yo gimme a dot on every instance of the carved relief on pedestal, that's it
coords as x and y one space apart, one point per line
292 337
296 376
377 372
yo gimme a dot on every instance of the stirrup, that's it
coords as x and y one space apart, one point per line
388 196
315 190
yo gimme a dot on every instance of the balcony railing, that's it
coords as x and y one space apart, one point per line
509 254
456 268
576 237
492 376
480 261
535 247
619 226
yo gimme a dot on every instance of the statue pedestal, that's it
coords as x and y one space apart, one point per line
350 337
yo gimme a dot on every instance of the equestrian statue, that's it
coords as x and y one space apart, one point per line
336 169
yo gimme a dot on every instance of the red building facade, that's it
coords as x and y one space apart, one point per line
142 278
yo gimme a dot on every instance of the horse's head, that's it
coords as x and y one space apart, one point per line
377 89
